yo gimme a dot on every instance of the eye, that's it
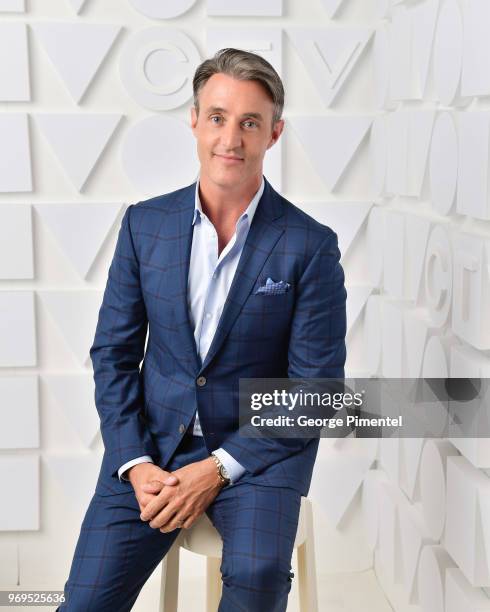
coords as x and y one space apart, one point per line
250 123
217 117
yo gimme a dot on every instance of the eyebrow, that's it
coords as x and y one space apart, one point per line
219 109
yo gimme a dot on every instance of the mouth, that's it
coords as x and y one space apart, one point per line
229 159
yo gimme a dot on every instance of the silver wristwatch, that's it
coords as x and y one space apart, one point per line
222 472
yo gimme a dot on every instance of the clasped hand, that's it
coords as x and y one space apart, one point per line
182 503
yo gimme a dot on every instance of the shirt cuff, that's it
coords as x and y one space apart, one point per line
234 469
126 466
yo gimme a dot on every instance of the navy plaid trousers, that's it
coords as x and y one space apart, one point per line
116 551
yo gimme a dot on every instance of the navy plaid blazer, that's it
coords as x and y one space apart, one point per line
297 333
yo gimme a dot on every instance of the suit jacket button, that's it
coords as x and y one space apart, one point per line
181 428
201 381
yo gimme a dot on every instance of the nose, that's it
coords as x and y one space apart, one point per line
231 137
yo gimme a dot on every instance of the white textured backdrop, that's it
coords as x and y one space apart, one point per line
387 141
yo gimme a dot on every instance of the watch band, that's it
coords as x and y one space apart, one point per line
222 473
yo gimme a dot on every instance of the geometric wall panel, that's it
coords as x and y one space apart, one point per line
372 334
156 67
344 473
80 229
471 289
242 8
444 164
9 559
438 275
476 58
331 142
74 395
389 532
76 50
378 152
416 326
397 127
370 505
413 536
473 173
14 63
265 41
346 217
17 329
417 229
16 241
358 296
381 66
435 365
434 561
467 362
75 314
273 164
162 10
15 155
419 138
375 233
448 52
20 477
410 452
332 6
433 484
392 339
77 5
12 6
409 136
389 459
461 596
424 17
78 140
400 45
394 253
76 475
463 535
329 55
159 154
19 418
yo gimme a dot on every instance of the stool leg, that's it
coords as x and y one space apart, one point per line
308 597
169 591
213 583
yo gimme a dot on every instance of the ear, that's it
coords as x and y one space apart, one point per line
193 118
276 132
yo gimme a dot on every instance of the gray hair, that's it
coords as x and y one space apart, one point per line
244 66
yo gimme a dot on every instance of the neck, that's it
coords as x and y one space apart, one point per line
223 206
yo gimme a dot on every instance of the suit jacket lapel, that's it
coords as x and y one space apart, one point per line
180 254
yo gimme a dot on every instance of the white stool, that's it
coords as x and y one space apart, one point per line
203 538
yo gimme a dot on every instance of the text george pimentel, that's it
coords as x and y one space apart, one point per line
330 422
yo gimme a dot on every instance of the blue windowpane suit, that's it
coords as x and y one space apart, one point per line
151 412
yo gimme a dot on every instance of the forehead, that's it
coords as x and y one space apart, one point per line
228 93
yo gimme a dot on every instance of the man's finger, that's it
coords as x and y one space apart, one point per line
155 486
154 507
144 500
164 517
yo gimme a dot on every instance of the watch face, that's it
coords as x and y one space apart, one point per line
223 472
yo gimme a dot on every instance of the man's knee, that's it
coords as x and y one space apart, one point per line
262 574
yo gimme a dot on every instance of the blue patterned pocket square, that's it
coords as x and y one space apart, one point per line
273 288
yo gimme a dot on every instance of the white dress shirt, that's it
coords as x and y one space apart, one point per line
209 281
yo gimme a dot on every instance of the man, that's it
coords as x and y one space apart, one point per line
234 282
